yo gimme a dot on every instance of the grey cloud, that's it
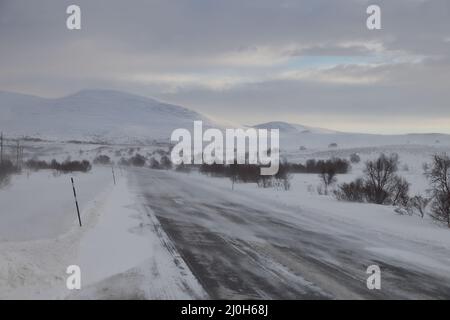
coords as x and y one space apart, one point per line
121 40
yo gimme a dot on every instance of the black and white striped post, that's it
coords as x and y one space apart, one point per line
76 201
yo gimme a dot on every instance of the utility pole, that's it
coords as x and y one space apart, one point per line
21 155
1 148
18 151
114 176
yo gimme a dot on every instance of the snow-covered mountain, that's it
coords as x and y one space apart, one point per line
113 116
93 115
292 128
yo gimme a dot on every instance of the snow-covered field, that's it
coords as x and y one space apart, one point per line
130 247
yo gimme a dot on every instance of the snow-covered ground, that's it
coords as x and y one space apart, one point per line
168 235
38 205
121 250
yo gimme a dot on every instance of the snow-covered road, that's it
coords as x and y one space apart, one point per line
244 245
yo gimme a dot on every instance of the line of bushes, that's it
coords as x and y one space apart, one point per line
65 166
139 160
338 165
249 173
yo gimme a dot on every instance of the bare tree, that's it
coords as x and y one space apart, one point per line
420 204
283 176
381 177
328 177
439 176
399 192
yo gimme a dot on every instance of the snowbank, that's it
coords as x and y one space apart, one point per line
121 249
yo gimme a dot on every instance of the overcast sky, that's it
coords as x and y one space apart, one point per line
244 61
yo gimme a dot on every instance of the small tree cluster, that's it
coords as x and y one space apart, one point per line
380 184
102 159
137 160
353 191
163 164
355 158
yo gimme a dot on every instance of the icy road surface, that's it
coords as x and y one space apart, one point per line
241 245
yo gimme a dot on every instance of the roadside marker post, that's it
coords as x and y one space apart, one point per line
76 201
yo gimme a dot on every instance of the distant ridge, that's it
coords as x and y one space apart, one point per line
94 115
120 117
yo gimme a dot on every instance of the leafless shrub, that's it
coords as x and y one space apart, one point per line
283 177
439 177
333 145
154 164
353 191
123 162
419 204
166 163
265 182
102 159
399 192
137 160
328 178
355 158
